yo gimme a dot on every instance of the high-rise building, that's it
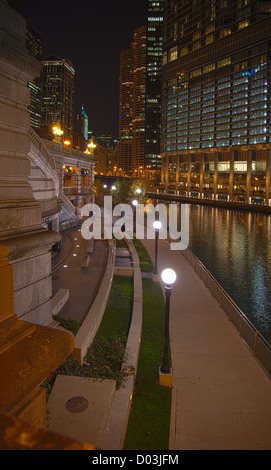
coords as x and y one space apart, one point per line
139 100
84 119
125 110
33 47
216 98
57 82
153 84
131 157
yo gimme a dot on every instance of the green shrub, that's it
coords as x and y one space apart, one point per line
104 359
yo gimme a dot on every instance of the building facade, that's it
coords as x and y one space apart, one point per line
33 47
216 98
57 84
125 110
131 158
153 84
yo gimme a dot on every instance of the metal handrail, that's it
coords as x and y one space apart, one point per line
259 346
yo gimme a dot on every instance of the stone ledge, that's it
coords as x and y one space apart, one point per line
59 300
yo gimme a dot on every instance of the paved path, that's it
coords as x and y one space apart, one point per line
223 397
82 283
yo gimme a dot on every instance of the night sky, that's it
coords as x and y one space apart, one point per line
92 34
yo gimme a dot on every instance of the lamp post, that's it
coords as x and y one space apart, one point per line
168 277
113 189
138 191
157 225
135 203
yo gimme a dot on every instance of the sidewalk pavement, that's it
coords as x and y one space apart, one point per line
83 283
221 395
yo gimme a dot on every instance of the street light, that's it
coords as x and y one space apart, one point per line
157 225
168 277
138 191
113 189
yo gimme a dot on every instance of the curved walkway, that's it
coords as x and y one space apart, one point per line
221 395
67 273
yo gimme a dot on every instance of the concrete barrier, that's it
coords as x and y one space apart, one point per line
59 300
85 261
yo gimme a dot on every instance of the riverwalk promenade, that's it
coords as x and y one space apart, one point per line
221 395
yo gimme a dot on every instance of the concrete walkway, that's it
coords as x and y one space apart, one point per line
221 395
83 283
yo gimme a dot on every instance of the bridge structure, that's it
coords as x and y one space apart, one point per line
60 178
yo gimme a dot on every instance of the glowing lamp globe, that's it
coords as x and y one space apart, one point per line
168 276
157 225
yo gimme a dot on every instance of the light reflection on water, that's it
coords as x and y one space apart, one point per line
234 247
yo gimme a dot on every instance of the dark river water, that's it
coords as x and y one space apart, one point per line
235 246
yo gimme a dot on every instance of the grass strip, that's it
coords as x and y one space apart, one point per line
105 355
149 421
146 264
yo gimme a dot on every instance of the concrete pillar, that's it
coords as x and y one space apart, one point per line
267 176
201 176
29 245
177 172
216 158
231 175
166 169
248 178
79 181
188 174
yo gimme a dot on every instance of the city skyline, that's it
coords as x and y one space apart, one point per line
92 45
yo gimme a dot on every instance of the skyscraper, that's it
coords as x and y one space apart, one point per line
125 110
33 47
139 101
153 84
216 97
57 82
131 158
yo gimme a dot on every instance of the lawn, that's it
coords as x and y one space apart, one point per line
149 422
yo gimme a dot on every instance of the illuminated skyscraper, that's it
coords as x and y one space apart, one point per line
153 85
57 82
33 47
125 110
139 101
216 135
131 158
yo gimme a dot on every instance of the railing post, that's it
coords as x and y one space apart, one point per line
230 312
255 349
241 326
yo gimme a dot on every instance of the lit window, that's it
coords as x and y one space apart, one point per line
243 24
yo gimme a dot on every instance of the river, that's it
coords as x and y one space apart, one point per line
235 246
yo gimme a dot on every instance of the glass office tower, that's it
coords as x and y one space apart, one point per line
216 98
57 82
153 84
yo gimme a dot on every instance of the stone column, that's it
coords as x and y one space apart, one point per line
177 172
267 176
166 169
21 230
216 158
188 174
231 175
248 177
201 176
79 181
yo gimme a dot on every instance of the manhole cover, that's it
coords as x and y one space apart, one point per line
77 404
